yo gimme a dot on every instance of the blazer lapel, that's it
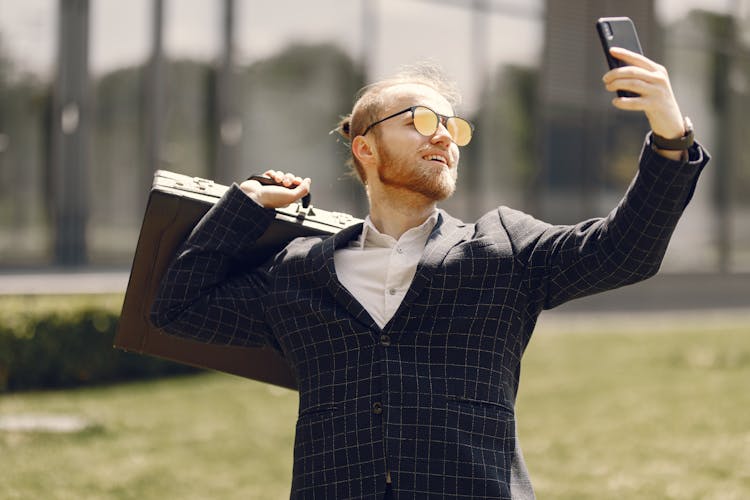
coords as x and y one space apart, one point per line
324 272
448 232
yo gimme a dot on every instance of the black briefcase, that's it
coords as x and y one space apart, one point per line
175 205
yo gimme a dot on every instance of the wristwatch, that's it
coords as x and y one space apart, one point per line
679 144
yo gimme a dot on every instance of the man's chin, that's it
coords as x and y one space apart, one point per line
435 184
438 191
432 191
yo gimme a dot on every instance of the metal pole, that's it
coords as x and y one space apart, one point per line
154 102
722 95
71 116
229 121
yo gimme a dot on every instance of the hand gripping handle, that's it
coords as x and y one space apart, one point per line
267 181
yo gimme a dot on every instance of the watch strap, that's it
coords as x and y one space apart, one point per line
678 144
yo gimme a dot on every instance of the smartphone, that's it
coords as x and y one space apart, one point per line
618 32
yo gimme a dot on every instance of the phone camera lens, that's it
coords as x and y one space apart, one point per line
608 31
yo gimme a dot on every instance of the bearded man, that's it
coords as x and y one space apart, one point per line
406 332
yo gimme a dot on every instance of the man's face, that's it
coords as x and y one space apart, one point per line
409 160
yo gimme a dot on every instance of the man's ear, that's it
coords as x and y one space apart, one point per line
363 150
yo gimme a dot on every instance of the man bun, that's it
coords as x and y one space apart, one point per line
344 127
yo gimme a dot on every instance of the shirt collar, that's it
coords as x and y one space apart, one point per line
371 237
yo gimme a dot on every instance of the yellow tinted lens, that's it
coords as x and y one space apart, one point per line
460 130
425 120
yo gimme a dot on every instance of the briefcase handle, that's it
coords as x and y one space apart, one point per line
267 181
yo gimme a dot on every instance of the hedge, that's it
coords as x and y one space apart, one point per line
57 342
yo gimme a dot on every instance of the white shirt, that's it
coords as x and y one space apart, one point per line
378 270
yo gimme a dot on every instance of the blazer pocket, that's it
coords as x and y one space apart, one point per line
315 448
482 432
481 405
315 431
316 410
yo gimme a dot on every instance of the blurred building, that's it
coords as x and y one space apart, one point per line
708 66
588 149
78 147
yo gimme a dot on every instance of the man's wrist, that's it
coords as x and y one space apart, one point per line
681 143
254 196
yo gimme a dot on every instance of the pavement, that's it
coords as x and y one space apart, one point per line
63 282
673 292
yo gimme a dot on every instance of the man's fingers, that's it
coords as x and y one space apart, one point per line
631 85
303 186
287 189
635 72
273 174
285 179
629 103
650 80
634 58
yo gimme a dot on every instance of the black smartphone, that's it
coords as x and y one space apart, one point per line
618 32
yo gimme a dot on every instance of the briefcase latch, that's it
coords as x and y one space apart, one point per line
202 184
303 211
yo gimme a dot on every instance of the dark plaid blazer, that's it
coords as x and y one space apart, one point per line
429 397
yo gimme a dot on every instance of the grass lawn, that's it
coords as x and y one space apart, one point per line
609 411
638 414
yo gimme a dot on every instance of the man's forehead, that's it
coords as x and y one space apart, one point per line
403 95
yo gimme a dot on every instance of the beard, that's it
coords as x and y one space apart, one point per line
435 182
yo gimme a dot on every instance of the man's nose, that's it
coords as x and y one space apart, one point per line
441 135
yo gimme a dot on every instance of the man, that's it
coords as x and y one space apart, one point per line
406 333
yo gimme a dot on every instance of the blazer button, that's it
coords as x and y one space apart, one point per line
385 340
377 408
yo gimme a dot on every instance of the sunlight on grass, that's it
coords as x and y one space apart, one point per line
205 436
626 414
638 415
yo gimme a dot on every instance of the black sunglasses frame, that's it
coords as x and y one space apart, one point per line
441 119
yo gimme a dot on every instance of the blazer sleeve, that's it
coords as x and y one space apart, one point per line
627 246
202 295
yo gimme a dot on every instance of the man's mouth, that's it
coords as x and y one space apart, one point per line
437 158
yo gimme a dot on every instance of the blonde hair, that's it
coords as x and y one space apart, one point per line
369 101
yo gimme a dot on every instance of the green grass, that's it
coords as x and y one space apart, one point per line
622 414
638 414
193 437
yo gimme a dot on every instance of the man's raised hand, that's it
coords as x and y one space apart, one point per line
651 81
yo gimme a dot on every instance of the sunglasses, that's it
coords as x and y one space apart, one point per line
426 122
